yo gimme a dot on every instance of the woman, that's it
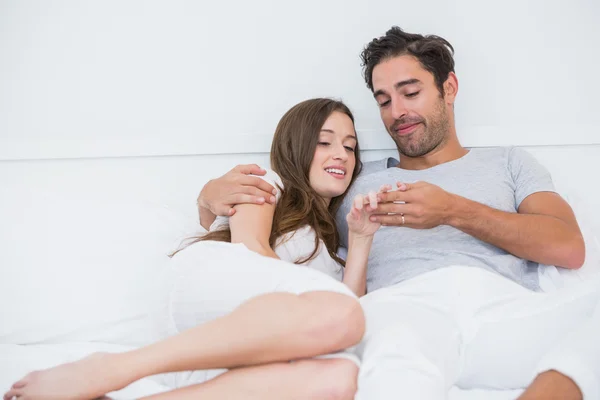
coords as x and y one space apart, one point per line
272 311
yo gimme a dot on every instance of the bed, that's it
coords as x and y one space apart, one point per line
84 244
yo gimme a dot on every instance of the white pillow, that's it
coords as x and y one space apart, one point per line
79 268
551 277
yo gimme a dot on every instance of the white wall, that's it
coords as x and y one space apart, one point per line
103 79
122 78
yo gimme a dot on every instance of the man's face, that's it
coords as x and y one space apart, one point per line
411 106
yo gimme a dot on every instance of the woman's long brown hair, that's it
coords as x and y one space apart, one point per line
292 152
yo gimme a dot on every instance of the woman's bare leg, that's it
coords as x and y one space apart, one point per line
269 328
331 379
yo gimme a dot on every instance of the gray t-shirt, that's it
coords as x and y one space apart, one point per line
500 178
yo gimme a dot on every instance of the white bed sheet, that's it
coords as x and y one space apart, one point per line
480 394
18 360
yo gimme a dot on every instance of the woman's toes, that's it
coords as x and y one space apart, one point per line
12 393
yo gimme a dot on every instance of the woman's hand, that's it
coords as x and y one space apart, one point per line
360 238
362 208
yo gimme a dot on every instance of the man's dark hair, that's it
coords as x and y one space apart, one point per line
433 52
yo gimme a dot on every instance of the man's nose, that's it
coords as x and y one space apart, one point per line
398 109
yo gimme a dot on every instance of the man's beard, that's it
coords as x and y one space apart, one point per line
434 134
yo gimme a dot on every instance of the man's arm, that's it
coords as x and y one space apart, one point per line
544 230
219 196
206 216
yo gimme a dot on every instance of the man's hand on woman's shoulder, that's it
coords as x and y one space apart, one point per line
237 186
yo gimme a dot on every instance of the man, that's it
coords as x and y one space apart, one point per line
453 270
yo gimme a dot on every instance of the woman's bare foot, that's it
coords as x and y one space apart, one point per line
552 385
86 379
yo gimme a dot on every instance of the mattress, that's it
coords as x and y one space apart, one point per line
17 360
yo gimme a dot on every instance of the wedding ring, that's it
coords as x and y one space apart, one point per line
402 215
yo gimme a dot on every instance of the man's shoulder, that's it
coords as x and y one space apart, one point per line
488 157
505 155
499 151
371 167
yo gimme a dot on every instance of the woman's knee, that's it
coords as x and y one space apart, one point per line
343 375
336 379
337 319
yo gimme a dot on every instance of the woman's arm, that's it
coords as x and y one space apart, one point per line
360 239
251 225
355 273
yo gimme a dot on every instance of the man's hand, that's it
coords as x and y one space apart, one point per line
219 195
419 205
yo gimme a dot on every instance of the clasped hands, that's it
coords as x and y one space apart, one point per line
419 205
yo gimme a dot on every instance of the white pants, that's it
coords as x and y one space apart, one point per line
210 279
469 327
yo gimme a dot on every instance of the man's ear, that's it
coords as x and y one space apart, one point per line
450 88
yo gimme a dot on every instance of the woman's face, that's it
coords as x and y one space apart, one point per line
333 163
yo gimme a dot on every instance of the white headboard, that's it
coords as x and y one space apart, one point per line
175 181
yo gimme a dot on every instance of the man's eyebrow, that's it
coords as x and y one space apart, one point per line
397 86
351 136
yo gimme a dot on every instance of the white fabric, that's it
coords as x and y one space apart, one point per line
77 267
577 355
210 279
296 245
469 327
483 394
